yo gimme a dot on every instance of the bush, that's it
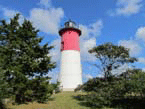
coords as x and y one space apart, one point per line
106 92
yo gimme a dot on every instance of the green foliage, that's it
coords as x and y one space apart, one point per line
136 82
40 89
102 92
22 57
4 90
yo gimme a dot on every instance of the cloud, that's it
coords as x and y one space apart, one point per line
141 60
85 45
88 76
120 69
100 75
45 3
55 52
88 39
117 71
140 34
134 47
92 30
47 20
9 13
143 69
126 7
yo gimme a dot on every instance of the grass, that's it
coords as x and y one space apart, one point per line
62 100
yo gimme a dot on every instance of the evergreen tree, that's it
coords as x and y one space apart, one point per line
22 57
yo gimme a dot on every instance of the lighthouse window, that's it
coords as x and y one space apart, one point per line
62 45
62 42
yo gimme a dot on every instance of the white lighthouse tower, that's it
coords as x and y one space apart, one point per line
71 72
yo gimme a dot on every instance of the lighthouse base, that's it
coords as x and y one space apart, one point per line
68 89
71 72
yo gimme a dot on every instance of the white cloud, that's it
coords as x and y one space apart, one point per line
134 47
88 76
84 30
85 45
100 75
8 13
117 71
88 39
120 69
96 27
55 52
92 30
140 34
47 20
45 3
141 60
143 69
127 7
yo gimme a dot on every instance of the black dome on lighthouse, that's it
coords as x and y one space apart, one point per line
69 24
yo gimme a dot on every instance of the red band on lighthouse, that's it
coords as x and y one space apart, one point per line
70 40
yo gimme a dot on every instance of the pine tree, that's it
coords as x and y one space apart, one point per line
22 57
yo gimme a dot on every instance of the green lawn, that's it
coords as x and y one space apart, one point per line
62 100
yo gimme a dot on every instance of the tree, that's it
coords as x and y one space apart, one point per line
22 57
111 57
101 91
4 90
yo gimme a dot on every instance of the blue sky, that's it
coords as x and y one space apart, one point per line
121 22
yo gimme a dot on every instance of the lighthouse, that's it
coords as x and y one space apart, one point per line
70 69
